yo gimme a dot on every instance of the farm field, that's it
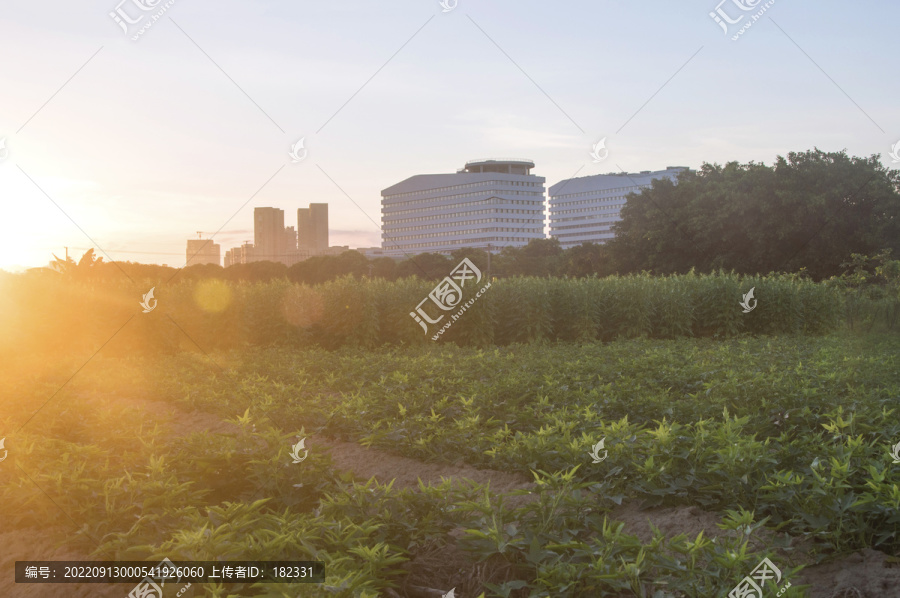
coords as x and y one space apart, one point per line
442 467
449 299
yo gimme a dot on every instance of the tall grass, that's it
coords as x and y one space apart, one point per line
39 313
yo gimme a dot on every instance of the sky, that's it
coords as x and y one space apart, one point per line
132 146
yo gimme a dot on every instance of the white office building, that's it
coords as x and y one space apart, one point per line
488 204
584 209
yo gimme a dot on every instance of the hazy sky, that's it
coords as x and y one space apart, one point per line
138 144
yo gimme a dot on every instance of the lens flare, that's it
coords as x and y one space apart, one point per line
213 296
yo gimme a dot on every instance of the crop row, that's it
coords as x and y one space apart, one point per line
48 314
798 429
96 464
790 432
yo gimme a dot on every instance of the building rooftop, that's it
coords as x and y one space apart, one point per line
501 165
481 170
612 180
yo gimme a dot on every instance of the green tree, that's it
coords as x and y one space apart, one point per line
88 265
323 268
256 271
541 257
202 271
384 267
587 259
479 257
809 210
430 266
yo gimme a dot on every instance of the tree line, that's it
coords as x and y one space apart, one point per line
809 212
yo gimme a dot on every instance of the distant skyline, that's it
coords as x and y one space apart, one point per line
136 145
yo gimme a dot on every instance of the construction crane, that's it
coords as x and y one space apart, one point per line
200 233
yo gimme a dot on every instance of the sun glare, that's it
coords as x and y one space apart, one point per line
212 296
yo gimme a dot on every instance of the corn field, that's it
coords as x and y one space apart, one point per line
218 315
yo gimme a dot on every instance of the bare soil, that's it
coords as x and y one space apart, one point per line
44 545
863 574
366 462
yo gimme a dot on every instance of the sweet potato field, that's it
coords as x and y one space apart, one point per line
781 445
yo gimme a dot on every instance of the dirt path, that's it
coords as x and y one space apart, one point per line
362 462
366 462
42 545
